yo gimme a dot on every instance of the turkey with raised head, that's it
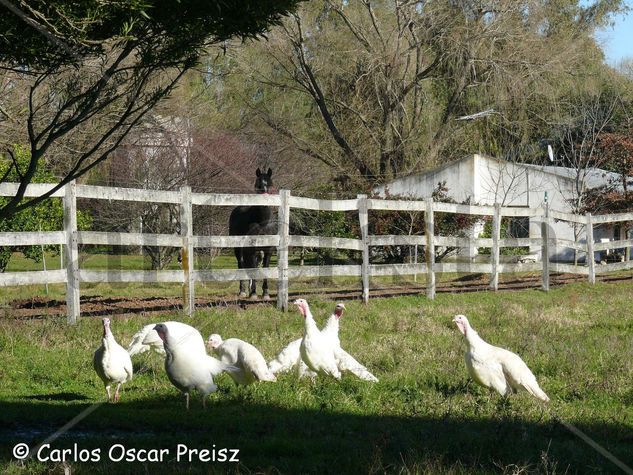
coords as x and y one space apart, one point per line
344 361
496 368
111 362
317 351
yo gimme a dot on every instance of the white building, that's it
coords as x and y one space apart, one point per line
486 181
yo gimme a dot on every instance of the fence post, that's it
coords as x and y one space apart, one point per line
545 247
624 235
430 248
415 263
363 218
494 252
72 252
283 229
187 256
591 261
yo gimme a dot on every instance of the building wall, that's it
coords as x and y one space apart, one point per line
486 181
515 185
500 182
459 178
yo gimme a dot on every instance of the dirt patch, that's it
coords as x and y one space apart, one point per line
93 306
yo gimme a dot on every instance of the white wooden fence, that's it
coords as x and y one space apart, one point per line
70 238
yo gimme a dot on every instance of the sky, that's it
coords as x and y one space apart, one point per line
617 42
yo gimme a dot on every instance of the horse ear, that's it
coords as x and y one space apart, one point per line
258 172
270 172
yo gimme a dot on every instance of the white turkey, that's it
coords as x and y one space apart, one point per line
317 351
287 358
344 361
144 340
290 358
331 327
187 364
243 355
147 339
111 362
495 367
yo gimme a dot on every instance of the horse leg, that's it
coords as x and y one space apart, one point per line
257 260
253 261
239 255
267 255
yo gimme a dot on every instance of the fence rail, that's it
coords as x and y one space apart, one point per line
71 237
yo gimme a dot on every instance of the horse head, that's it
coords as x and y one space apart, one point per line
264 181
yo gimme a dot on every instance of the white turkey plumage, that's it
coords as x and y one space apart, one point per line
495 367
147 339
245 356
344 361
111 362
288 359
187 364
317 351
347 363
331 328
144 340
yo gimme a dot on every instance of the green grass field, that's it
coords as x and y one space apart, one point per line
422 417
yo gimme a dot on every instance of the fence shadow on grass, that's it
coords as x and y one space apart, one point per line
273 439
63 396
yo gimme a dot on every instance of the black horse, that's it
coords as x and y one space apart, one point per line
254 220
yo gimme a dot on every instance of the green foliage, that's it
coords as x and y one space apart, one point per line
323 223
504 232
411 223
47 215
163 31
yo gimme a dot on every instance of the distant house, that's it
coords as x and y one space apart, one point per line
486 180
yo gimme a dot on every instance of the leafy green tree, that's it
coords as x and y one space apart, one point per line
413 222
46 215
78 76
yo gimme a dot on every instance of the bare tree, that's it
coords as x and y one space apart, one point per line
579 147
166 154
372 89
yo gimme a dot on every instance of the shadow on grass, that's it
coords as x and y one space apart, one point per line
58 397
279 440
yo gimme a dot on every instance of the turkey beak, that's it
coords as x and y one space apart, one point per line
106 327
460 325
